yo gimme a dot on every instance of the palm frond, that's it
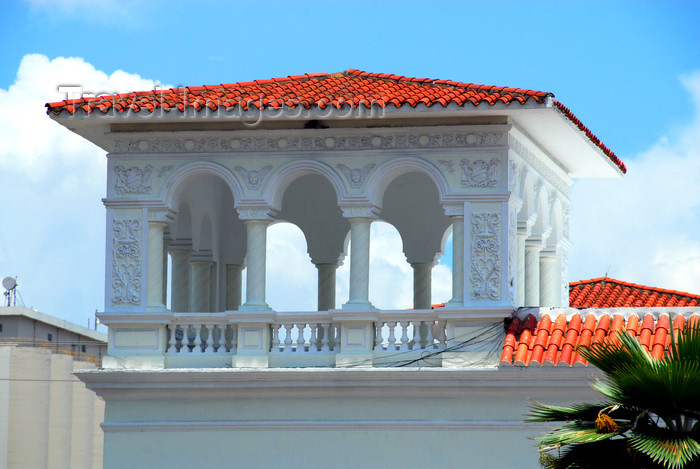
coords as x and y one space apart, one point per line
550 413
577 432
670 449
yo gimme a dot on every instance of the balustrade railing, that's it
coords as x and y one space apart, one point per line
303 337
405 331
189 334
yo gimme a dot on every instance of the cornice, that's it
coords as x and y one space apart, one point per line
284 383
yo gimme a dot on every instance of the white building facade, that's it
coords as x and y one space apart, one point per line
223 377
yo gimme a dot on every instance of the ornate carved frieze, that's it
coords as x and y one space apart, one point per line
359 211
485 272
480 173
135 180
126 262
356 177
296 143
537 164
253 179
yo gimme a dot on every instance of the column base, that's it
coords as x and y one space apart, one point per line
359 305
255 307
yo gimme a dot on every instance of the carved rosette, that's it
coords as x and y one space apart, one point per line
485 272
126 262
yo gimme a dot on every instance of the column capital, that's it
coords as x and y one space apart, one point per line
160 215
360 211
454 209
180 245
203 255
256 212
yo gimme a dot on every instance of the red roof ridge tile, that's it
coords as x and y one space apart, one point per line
609 292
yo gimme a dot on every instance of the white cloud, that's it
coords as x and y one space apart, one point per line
646 227
52 231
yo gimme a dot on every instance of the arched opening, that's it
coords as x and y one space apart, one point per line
411 204
310 203
207 239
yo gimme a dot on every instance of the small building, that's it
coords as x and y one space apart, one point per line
48 419
196 175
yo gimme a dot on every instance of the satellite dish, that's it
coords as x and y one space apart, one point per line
9 283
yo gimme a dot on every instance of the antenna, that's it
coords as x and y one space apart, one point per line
10 284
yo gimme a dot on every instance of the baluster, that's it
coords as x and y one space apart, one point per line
429 340
275 338
324 342
404 335
197 338
442 339
288 338
222 338
172 343
300 339
313 347
416 335
186 338
208 345
392 337
378 336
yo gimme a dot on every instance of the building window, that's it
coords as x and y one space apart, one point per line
50 337
0 327
82 348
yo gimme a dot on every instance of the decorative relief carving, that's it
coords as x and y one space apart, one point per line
566 216
537 164
485 272
132 180
480 173
513 177
126 262
295 143
512 244
135 180
448 165
356 177
253 179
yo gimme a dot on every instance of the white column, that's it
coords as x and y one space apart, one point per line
166 243
200 283
457 261
520 261
550 279
255 263
359 264
422 284
326 286
155 265
233 286
180 280
532 272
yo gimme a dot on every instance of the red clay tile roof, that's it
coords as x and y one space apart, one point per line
610 293
553 341
352 88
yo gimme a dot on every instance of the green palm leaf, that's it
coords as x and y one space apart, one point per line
671 450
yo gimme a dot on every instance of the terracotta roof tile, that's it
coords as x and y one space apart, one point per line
528 335
606 292
352 88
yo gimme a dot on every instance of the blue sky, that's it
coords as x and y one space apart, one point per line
628 70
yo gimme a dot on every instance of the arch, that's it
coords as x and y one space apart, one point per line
288 173
380 179
183 222
175 183
411 204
